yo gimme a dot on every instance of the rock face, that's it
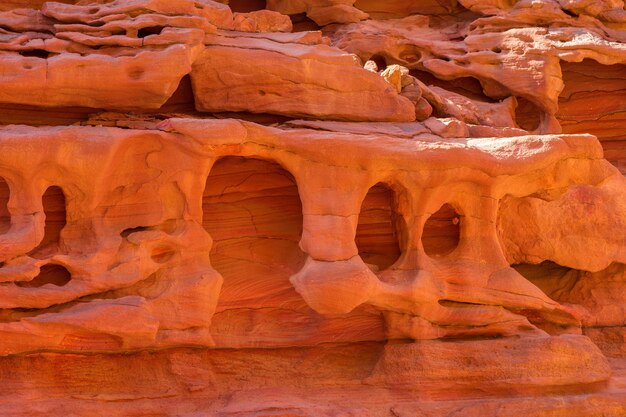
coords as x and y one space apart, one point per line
312 208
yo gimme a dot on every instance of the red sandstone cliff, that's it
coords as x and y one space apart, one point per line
313 208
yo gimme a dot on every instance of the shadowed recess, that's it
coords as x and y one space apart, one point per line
53 202
527 114
147 31
244 6
466 86
442 231
49 274
377 237
399 8
594 101
557 282
381 61
252 210
302 23
551 278
5 216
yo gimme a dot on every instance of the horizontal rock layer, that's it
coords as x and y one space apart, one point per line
248 192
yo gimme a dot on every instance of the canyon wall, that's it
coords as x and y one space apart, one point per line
313 208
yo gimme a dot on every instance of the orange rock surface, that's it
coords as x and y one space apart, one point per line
301 208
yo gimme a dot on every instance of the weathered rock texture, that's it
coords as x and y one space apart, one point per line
313 208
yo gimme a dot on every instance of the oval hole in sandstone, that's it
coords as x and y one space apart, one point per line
5 216
252 210
377 234
527 114
442 231
53 202
48 274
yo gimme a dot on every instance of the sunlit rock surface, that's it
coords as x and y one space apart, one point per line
312 208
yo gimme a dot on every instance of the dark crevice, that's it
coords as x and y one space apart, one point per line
151 30
466 86
381 61
244 6
302 23
49 274
36 53
459 304
551 278
130 230
570 13
259 118
5 216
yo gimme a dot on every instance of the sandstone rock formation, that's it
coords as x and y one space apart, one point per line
312 208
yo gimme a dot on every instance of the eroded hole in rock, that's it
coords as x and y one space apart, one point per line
252 210
5 216
551 278
131 230
527 114
558 283
151 30
442 231
36 53
244 6
49 274
302 23
466 86
182 100
381 61
377 233
569 13
53 202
